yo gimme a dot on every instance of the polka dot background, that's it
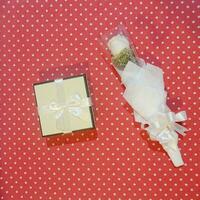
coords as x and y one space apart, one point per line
121 162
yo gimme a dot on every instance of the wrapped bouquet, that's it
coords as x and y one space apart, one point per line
146 94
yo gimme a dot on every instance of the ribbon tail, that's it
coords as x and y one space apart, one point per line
180 129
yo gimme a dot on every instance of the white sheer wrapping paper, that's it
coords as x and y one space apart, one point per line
146 94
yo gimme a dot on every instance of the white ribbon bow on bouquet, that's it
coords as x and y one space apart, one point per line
146 94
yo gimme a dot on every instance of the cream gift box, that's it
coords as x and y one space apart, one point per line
64 105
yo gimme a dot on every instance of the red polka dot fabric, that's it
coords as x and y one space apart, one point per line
118 161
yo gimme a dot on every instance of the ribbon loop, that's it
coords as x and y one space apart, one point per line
181 116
